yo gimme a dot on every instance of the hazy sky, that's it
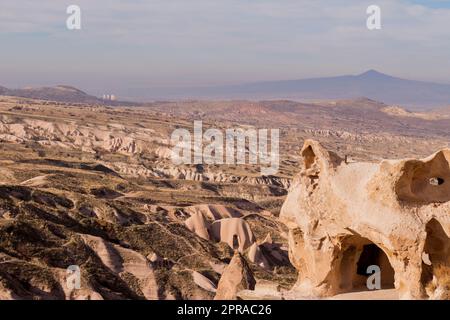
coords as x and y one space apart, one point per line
149 43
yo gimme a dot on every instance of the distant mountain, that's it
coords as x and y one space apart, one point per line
371 84
374 85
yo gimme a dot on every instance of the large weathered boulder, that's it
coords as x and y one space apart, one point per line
198 224
344 217
237 276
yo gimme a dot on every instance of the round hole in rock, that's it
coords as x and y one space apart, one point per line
437 181
425 182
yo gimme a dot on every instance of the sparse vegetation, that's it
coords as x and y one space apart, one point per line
84 185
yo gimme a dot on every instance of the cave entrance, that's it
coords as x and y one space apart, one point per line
235 242
435 257
359 254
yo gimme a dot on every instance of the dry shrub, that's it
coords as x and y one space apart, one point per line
439 287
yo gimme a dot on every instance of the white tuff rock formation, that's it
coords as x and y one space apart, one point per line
344 217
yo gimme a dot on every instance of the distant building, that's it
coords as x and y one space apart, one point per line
109 97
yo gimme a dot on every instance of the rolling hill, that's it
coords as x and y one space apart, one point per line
57 93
